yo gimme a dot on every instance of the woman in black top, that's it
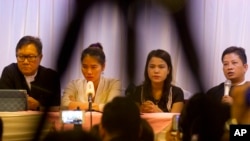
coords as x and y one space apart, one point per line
157 94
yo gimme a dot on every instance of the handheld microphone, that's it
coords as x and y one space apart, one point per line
227 86
90 90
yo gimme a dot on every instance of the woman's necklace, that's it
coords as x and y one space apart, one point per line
156 101
157 97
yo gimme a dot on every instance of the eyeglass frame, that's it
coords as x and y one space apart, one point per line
29 58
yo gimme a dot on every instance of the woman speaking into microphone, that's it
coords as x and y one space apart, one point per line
76 95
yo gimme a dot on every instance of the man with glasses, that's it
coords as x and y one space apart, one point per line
42 84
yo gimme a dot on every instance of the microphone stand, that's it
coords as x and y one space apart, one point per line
90 108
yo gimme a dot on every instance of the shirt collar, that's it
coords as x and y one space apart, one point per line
243 82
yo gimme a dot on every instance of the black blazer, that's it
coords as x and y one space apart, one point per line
45 88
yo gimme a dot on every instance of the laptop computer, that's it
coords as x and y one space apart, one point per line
12 100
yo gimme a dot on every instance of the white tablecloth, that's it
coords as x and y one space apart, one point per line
21 126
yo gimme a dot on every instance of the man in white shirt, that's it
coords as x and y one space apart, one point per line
235 66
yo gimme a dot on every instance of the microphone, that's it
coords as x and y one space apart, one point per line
227 86
90 90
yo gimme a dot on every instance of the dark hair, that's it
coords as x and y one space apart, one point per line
203 116
237 50
147 133
159 53
94 131
95 50
121 116
25 40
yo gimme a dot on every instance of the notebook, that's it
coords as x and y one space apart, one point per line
12 100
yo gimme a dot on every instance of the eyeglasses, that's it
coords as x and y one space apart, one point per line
22 58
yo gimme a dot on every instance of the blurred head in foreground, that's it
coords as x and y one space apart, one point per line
120 121
202 117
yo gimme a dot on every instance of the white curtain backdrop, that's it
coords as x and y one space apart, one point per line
215 26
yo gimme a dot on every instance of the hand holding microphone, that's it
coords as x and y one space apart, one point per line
227 86
226 98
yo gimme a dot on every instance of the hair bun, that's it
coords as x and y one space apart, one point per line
96 45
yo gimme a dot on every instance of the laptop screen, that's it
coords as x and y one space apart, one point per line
12 100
